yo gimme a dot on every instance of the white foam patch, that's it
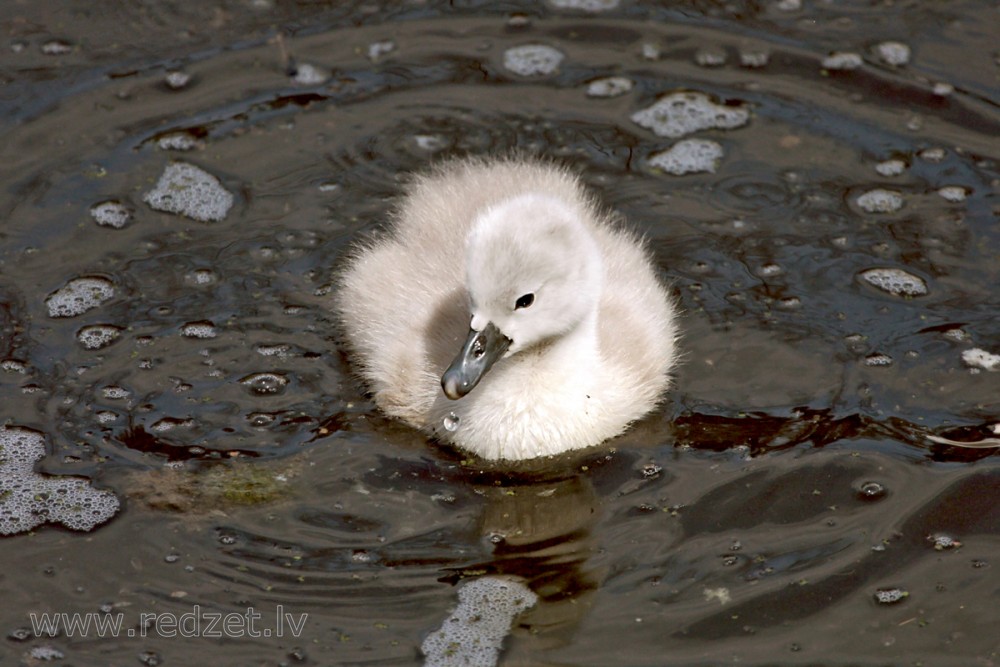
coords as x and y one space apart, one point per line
893 53
28 499
892 167
881 201
310 75
953 193
688 156
611 86
843 60
178 141
78 296
895 281
199 330
474 633
98 336
586 5
679 114
532 59
111 214
378 49
187 190
978 358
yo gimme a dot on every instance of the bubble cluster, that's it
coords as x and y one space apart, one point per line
893 53
878 359
111 214
177 79
78 296
475 631
265 384
586 5
688 156
942 542
277 350
532 59
28 499
842 60
678 114
880 200
890 595
98 336
378 49
895 281
187 190
892 167
203 329
952 193
979 358
177 141
611 86
310 75
754 59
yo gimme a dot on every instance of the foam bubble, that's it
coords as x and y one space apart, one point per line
265 384
56 47
688 156
187 190
98 336
586 5
890 595
78 296
895 281
880 200
474 633
203 329
378 49
276 350
177 141
710 57
754 59
878 359
842 60
893 167
678 114
893 53
114 392
310 75
953 193
177 79
978 358
28 499
111 214
532 59
611 86
13 366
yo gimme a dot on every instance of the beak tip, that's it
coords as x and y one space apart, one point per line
452 387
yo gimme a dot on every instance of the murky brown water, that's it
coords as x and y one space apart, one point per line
754 519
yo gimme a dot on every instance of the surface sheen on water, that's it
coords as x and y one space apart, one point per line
828 442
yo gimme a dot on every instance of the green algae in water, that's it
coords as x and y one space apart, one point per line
244 484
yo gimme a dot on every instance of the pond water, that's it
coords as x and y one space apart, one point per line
821 486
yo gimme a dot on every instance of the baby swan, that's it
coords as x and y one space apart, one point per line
506 314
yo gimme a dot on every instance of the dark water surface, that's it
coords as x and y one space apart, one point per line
791 476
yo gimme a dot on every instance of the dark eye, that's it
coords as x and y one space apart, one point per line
524 301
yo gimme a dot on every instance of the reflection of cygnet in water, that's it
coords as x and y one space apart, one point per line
541 533
568 332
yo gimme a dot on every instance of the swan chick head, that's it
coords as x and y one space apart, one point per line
533 276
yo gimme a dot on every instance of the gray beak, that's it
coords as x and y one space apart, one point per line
479 353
